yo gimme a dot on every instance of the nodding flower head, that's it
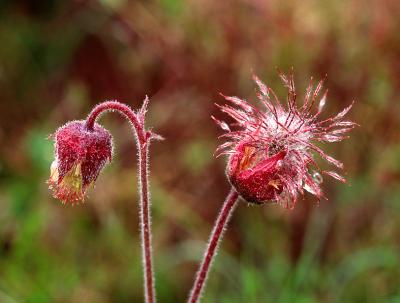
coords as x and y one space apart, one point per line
80 154
271 151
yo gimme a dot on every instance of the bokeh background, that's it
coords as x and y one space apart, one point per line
59 58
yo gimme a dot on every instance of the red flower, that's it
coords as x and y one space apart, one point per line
80 155
271 153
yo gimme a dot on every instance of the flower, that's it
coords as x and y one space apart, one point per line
80 154
271 151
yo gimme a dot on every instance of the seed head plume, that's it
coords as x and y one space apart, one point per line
271 150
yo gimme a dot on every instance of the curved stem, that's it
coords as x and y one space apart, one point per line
123 109
143 138
215 238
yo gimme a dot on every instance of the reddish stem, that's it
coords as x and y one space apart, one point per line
145 222
215 238
123 109
143 138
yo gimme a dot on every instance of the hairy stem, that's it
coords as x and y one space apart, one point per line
215 238
145 222
124 110
143 140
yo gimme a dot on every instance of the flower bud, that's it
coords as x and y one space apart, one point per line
80 154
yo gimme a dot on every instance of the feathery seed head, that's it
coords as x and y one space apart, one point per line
271 151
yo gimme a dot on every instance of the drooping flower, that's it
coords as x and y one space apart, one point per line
80 154
271 151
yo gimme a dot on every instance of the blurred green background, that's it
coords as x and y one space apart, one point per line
59 58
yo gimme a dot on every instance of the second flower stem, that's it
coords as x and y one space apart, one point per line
215 238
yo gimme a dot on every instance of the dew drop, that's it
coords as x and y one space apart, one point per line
317 177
